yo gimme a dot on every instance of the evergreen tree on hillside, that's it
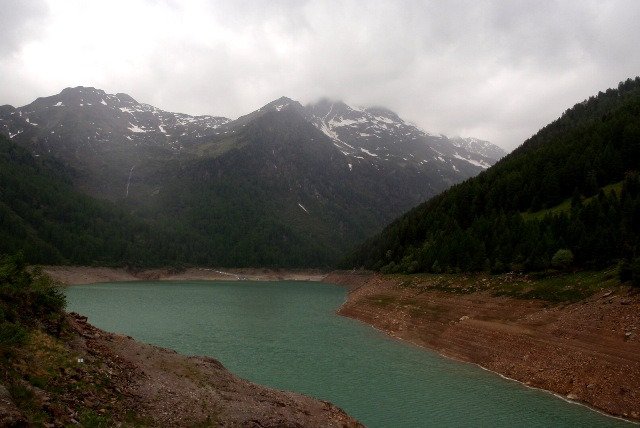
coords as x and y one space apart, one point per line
546 196
42 216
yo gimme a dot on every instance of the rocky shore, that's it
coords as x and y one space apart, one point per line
96 378
587 351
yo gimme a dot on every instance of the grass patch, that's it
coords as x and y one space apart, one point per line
560 287
219 147
449 283
550 286
565 206
91 419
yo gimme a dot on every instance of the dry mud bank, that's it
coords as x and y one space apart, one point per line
587 351
72 275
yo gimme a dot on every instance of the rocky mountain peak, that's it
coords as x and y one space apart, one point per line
384 112
379 133
280 104
101 128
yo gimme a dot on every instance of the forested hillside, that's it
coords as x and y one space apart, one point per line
283 196
569 196
45 218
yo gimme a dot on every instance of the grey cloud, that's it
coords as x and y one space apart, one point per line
20 21
491 69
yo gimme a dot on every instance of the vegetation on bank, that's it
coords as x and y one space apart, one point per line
31 317
552 286
28 302
568 198
39 372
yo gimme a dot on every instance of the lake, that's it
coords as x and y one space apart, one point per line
286 335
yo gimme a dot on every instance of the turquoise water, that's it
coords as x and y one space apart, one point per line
286 335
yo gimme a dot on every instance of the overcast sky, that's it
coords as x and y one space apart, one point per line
497 70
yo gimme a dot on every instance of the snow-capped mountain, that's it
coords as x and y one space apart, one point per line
90 116
104 137
376 134
380 133
480 147
111 139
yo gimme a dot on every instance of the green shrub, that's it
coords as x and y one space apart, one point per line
390 268
629 271
562 259
624 271
27 300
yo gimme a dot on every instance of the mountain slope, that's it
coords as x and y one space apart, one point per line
380 133
285 185
284 195
103 136
484 223
45 218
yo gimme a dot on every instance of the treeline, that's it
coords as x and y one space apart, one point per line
482 224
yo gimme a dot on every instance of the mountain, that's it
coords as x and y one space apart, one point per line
570 195
380 133
43 216
102 136
285 185
284 194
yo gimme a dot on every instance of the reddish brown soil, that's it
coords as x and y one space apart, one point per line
588 351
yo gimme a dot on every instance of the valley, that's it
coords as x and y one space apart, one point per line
236 193
319 214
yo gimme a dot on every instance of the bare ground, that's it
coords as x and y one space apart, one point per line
72 275
588 351
97 378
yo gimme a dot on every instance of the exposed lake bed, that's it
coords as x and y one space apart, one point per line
286 335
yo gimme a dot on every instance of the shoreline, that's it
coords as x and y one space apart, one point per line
527 348
546 391
98 378
532 346
81 275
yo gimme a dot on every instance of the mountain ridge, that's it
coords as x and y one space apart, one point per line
271 188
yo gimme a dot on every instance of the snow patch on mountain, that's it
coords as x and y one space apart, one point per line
381 133
362 149
135 128
481 164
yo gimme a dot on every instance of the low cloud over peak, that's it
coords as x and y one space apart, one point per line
494 70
